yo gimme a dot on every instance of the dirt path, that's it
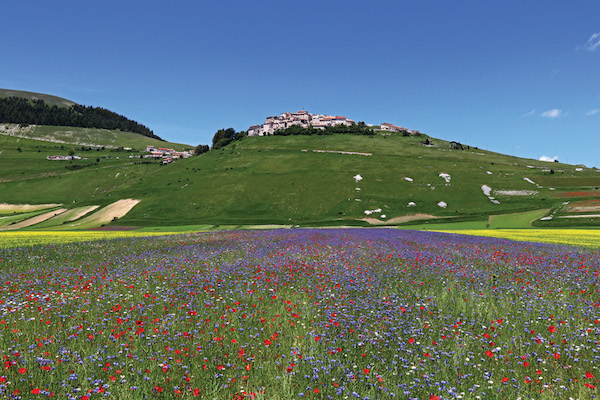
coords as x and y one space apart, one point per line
83 212
118 209
399 220
34 220
6 208
354 153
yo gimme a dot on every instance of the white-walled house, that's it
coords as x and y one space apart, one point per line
302 118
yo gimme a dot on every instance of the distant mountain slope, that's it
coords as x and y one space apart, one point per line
48 99
76 136
30 108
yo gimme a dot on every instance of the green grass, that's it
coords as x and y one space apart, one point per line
516 220
13 219
271 180
448 226
48 99
59 219
178 229
76 136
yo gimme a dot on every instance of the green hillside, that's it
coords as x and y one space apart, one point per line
26 108
303 180
77 136
48 99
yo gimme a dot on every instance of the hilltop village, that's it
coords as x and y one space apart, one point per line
306 120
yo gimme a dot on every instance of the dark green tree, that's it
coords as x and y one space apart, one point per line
201 149
223 137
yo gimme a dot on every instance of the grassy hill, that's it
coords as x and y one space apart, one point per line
48 99
26 108
78 136
304 180
69 135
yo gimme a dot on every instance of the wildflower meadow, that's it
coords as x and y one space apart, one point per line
286 314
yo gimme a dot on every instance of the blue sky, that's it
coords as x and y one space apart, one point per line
518 77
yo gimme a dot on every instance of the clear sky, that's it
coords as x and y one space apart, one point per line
517 77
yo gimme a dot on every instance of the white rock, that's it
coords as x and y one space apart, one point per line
445 176
486 190
516 192
408 179
383 216
442 204
357 177
411 204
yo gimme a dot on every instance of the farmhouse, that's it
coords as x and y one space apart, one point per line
166 153
63 158
456 145
395 128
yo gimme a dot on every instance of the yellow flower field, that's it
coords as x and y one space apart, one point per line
573 237
31 238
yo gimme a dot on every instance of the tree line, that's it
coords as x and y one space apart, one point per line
355 129
17 110
225 136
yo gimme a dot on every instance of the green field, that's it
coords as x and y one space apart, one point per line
8 220
281 180
516 220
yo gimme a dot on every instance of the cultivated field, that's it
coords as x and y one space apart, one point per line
282 314
572 237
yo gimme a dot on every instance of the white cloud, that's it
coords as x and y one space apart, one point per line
593 112
554 113
592 44
549 159
530 113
